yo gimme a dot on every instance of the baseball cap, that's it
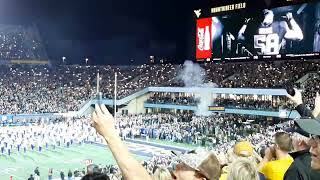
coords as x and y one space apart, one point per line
243 148
311 126
204 161
297 129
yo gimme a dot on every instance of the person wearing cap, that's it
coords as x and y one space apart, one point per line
197 165
300 169
104 124
277 159
242 150
311 126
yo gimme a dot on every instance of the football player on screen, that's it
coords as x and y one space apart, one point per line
271 35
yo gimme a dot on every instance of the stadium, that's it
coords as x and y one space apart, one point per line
82 98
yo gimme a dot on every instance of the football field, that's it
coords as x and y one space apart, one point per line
21 165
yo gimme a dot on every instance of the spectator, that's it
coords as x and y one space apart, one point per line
300 169
104 124
37 173
198 164
95 176
69 175
62 175
243 169
300 106
277 159
50 173
161 173
242 150
31 177
312 127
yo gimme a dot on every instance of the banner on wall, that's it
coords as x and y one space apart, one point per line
204 39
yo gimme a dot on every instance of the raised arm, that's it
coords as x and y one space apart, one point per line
295 33
103 122
300 107
243 29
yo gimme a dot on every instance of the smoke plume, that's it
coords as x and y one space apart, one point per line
193 75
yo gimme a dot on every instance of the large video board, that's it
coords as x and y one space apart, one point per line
281 32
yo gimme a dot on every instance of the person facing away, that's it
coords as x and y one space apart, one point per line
277 159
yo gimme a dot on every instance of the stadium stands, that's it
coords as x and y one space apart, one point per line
20 43
65 88
41 88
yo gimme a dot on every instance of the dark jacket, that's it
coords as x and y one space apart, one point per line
300 169
36 171
261 176
304 111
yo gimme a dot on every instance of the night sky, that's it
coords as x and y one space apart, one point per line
108 31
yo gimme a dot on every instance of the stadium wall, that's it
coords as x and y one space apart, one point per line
136 105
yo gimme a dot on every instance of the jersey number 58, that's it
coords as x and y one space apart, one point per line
268 44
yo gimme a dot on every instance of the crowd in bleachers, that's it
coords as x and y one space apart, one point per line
65 88
20 43
231 141
38 89
172 98
232 101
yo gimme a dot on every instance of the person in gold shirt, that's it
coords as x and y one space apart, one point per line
277 159
243 150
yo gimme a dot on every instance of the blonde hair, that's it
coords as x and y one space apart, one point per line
232 157
243 169
162 173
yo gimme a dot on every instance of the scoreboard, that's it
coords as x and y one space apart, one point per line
242 31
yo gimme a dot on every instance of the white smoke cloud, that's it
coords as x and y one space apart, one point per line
206 99
193 75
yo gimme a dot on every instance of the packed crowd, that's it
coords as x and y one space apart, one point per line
251 75
184 128
246 147
38 89
20 43
41 89
218 133
230 101
288 151
172 98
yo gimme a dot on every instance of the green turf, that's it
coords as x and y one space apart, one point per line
170 143
22 165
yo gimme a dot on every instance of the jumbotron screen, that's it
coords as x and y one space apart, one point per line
288 31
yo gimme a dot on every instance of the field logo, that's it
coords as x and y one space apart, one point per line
197 12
